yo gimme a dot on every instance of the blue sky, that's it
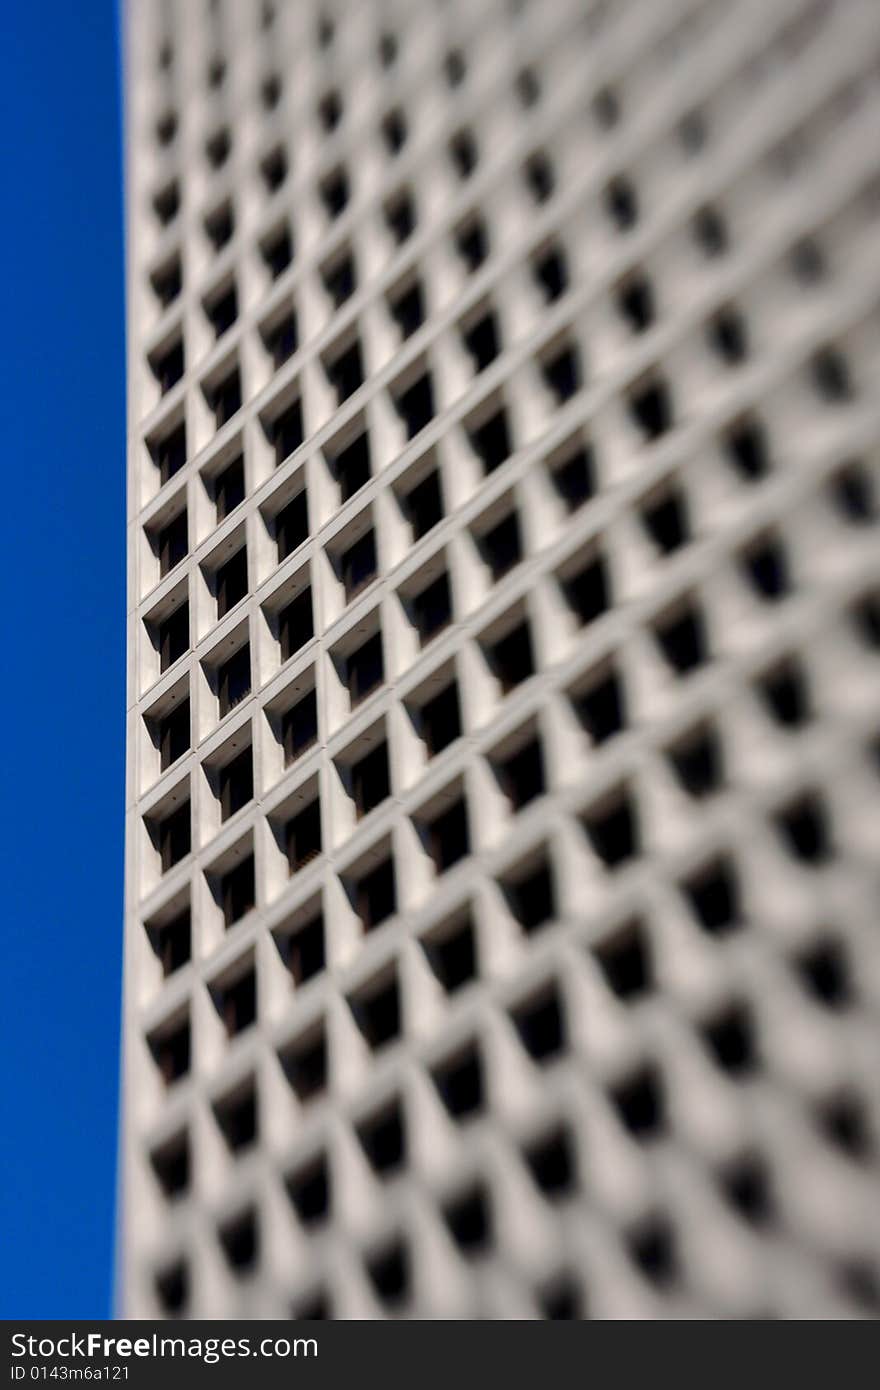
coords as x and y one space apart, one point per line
63 547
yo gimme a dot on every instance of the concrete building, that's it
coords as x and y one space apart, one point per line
504 659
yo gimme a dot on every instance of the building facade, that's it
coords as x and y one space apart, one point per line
503 801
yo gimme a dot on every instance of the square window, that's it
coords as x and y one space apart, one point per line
237 1117
432 608
358 564
375 895
225 398
625 960
460 1083
305 950
501 546
220 226
491 441
682 639
540 1024
282 339
588 591
172 1288
173 636
223 311
229 488
415 405
231 582
170 1047
408 309
383 1139
574 479
550 1161
171 1164
274 169
168 366
463 153
521 775
424 505
234 679
440 719
172 543
340 280
238 891
167 203
236 783
292 525
352 467
531 896
452 954
612 828
712 893
173 734
511 657
539 176
550 270
172 942
299 727
562 374
278 252
218 148
305 1064
302 835
482 342
370 779
376 1010
174 836
472 243
394 131
167 282
666 521
309 1191
170 453
448 836
601 708
335 193
295 624
400 216
240 1242
345 372
365 669
650 407
469 1218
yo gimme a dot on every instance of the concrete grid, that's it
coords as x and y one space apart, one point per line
609 1046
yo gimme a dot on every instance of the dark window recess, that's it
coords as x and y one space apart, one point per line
808 263
729 1038
295 624
682 640
377 1012
274 169
174 835
220 227
528 88
216 73
501 547
358 564
173 733
309 1191
365 669
237 1119
692 131
330 111
635 303
727 336
606 108
865 617
653 1251
229 488
448 836
305 951
697 761
282 340
302 835
171 1050
172 1288
460 1083
408 309
602 708
625 960
346 372
173 543
612 829
335 193
226 398
415 405
522 775
765 565
621 203
746 1184
710 231
843 1120
491 441
167 283
278 253
270 91
223 312
167 203
453 955
292 525
550 1161
376 895
785 693
541 1027
440 719
853 493
562 1301
394 131
237 1003
511 657
234 679
383 1138
588 592
171 1165
472 244
824 972
305 1064
170 453
352 467
240 1240
551 274
236 784
463 153
166 128
424 505
340 281
387 50
803 825
666 521
639 1102
539 177
747 452
831 376
172 942
562 374
574 479
231 582
432 608
713 896
469 1218
238 891
482 341
454 67
389 1273
168 366
651 409
173 636
287 432
326 31
400 216
370 782
299 727
531 897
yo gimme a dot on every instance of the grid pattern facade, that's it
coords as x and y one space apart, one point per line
504 624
